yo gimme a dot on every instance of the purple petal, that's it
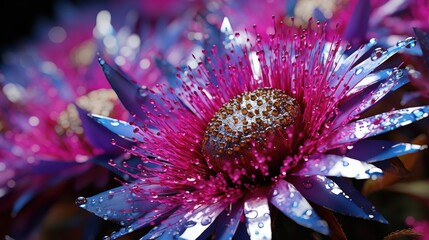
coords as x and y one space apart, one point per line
98 135
372 126
172 223
360 200
119 127
325 192
337 166
228 222
357 26
257 213
131 95
423 38
378 150
288 200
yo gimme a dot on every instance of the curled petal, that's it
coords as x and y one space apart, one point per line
372 126
337 166
285 197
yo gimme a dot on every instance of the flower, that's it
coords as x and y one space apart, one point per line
265 125
48 144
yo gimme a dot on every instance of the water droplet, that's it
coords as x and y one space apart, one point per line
400 43
359 70
260 224
206 221
105 217
371 216
251 214
190 223
345 163
101 199
295 204
373 41
419 113
112 163
377 53
307 184
81 202
130 229
308 213
397 73
410 42
114 123
143 91
106 238
275 192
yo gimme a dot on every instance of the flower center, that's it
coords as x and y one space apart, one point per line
251 135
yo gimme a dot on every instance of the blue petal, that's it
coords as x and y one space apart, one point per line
360 200
288 200
201 220
171 223
119 127
131 95
98 135
378 150
118 204
358 72
228 222
372 126
257 213
369 95
156 215
337 166
325 192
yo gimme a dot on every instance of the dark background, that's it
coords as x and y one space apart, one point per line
18 18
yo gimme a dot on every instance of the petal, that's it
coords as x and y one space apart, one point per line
285 197
118 204
121 128
98 135
257 213
358 24
369 96
228 222
337 166
325 192
360 200
131 95
423 38
378 150
201 220
372 126
353 76
156 215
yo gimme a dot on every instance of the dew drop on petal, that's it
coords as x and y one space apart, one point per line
377 53
261 225
251 214
81 202
359 70
397 73
410 42
190 223
206 221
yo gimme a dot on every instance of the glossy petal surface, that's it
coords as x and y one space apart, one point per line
121 128
257 213
285 197
378 150
337 166
325 192
372 126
